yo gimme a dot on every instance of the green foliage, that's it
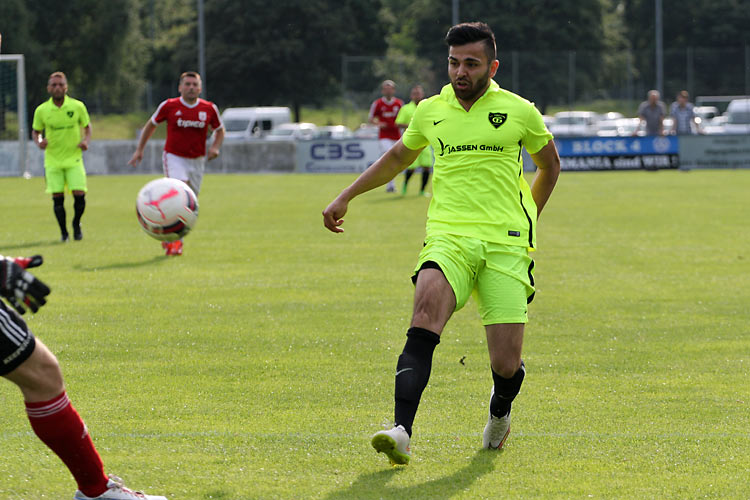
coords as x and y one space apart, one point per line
257 365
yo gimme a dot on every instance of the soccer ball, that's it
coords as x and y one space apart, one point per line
167 209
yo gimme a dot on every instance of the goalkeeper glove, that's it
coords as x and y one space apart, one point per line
20 287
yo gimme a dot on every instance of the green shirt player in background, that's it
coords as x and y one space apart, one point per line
57 130
424 160
480 228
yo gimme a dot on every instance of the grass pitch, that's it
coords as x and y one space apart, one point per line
258 364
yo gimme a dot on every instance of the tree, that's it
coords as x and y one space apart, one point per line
285 52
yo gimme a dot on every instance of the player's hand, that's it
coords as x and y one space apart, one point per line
332 215
19 287
136 158
212 153
83 145
42 144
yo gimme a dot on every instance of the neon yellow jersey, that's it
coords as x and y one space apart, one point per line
62 129
404 117
478 189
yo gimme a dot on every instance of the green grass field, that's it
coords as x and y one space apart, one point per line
258 364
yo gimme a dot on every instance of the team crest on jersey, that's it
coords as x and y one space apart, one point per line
497 119
70 114
202 116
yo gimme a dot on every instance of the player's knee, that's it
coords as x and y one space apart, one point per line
42 377
504 364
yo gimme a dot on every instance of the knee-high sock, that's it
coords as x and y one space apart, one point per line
425 178
58 204
412 373
79 205
60 427
506 389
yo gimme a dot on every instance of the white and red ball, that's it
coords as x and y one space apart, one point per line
167 209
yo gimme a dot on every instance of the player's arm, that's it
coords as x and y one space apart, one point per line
38 139
84 144
146 133
383 170
548 170
213 151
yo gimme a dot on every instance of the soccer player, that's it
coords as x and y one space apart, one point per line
188 119
424 160
28 363
56 129
383 113
481 225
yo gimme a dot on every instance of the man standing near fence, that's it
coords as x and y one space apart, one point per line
56 129
652 113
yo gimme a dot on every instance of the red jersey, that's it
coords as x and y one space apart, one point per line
386 112
187 126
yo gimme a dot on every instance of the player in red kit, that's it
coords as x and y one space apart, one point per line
383 113
188 119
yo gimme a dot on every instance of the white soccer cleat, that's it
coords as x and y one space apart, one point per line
497 429
117 491
394 443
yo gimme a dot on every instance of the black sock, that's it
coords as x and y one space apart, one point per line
425 178
506 389
412 373
407 175
58 204
79 205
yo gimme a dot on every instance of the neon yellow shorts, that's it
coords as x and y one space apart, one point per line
499 276
58 177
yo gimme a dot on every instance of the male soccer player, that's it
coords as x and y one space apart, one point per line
481 225
424 160
188 119
383 113
26 361
56 129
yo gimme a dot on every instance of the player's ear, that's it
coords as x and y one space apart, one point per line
494 65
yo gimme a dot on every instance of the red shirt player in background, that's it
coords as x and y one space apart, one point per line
383 113
188 119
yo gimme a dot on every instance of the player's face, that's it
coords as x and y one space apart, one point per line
57 87
417 94
388 90
469 70
190 88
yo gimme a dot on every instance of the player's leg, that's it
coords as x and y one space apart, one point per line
441 288
55 180
504 287
36 372
75 178
385 145
425 179
407 175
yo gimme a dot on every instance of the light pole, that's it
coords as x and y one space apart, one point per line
201 47
455 12
659 49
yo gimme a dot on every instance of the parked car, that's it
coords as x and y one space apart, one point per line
334 132
574 123
715 126
620 127
252 123
293 132
706 113
738 117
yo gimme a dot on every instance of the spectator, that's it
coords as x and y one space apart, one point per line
685 121
652 113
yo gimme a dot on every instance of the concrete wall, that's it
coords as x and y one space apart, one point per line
111 157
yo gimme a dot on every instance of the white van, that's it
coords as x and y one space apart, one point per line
253 123
738 117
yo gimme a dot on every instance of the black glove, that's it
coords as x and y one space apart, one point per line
20 287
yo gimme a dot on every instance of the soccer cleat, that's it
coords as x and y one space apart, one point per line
166 246
391 187
176 248
394 443
117 491
64 237
497 429
77 233
403 190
